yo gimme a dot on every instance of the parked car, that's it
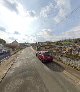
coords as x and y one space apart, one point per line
44 56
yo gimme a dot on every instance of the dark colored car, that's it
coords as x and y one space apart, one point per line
44 56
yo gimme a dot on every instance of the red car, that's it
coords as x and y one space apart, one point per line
44 56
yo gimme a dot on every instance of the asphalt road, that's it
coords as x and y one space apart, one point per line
28 74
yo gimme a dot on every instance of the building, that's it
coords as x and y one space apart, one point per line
15 43
1 46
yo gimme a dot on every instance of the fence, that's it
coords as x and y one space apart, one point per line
73 63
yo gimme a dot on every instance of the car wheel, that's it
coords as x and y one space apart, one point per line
36 54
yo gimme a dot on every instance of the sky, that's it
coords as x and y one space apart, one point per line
39 20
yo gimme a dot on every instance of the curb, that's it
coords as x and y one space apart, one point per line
72 77
6 72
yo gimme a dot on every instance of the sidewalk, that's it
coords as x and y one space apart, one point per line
6 65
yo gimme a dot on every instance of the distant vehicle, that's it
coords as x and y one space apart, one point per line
44 56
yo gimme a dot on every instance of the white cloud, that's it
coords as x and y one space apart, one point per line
48 34
2 28
20 20
12 21
45 11
73 33
60 8
11 5
4 36
64 9
45 35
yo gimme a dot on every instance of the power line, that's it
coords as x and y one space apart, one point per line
67 16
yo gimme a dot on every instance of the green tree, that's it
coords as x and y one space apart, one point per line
2 41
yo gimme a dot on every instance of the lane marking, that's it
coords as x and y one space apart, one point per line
33 49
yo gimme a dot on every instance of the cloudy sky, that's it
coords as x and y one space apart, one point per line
39 20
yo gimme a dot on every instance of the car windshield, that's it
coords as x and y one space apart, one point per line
47 54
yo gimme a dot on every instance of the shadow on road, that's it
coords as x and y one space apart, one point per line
54 66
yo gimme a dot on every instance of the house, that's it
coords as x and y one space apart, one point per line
1 46
15 43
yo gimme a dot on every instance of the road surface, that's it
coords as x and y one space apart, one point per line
28 74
